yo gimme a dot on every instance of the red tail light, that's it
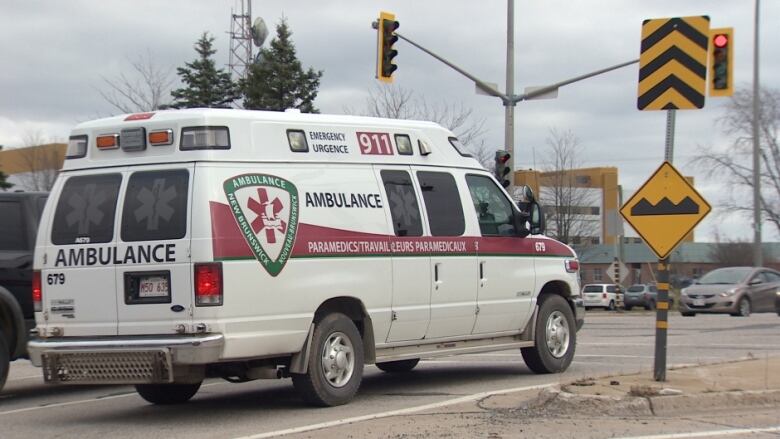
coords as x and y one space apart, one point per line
572 265
37 292
603 295
208 284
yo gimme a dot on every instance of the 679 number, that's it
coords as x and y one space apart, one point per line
55 278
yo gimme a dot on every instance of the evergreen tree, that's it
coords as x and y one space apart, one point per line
278 81
3 183
206 86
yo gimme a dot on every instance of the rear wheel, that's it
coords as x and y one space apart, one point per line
165 394
398 366
687 314
335 366
555 338
650 306
611 306
5 360
628 307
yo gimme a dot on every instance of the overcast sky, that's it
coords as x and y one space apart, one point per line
54 54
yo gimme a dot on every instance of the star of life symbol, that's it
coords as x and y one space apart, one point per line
155 204
86 208
267 215
402 204
265 208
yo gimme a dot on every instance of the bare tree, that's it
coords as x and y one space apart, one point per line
396 102
147 86
568 202
732 252
41 162
734 166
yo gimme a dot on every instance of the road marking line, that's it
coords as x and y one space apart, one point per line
729 432
80 401
390 413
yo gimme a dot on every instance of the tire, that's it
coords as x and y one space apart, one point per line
5 360
166 394
628 308
611 306
650 306
743 308
555 337
398 366
687 314
337 346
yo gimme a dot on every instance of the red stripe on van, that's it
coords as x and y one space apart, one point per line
311 241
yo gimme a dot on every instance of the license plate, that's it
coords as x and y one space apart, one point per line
153 286
698 302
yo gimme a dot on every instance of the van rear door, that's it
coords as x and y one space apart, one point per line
78 276
153 275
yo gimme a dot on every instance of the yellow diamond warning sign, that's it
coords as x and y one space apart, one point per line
665 209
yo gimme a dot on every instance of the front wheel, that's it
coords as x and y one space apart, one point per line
398 366
611 306
687 314
5 360
166 394
335 366
743 308
555 338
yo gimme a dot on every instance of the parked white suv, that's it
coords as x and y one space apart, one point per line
607 296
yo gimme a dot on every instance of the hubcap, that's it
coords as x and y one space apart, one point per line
338 359
744 307
557 332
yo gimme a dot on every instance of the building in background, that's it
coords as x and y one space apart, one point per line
33 168
596 197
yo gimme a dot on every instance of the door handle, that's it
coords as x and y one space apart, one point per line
482 278
436 280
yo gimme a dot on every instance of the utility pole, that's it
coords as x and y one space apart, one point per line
758 257
509 105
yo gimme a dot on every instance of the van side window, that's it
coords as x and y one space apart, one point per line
404 208
442 203
494 211
155 206
610 288
14 230
85 211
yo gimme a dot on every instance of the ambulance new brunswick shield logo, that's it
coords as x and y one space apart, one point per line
266 210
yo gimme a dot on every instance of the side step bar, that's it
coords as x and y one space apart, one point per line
451 348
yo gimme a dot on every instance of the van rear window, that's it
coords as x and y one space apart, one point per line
593 289
85 211
155 206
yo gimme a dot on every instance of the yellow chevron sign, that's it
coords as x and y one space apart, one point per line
673 63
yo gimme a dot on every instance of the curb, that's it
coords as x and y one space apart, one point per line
556 400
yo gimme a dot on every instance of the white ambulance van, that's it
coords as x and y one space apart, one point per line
187 244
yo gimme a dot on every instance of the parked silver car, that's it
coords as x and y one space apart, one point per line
734 290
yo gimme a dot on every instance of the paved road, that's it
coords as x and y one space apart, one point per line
609 343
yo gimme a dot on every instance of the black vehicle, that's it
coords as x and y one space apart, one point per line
19 215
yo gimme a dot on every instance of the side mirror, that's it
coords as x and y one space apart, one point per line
530 220
756 281
537 219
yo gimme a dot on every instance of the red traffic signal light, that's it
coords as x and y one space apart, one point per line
720 40
721 62
502 168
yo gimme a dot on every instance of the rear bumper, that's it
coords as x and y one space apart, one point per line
123 360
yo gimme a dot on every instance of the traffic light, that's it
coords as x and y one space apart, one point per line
503 171
386 37
721 62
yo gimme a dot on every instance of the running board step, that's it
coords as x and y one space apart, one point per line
440 349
